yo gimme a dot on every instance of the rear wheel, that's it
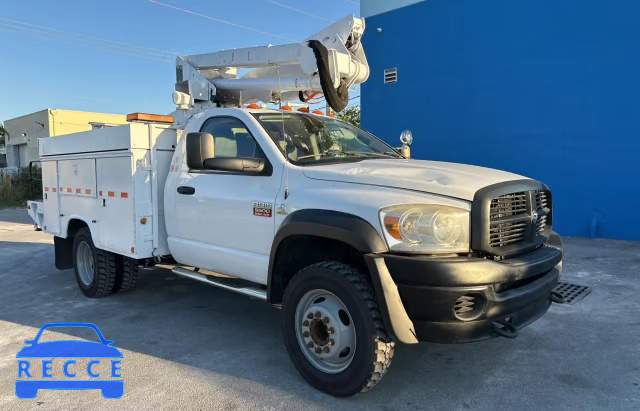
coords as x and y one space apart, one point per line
333 330
95 269
127 274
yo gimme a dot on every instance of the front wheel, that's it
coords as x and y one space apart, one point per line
333 329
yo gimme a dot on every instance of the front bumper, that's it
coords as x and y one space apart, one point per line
516 290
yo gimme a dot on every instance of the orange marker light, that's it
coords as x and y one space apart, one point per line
286 108
303 109
391 224
156 118
143 220
133 250
318 112
253 106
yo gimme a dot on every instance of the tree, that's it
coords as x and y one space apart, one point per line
351 115
3 134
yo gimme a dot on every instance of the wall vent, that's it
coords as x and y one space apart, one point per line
391 75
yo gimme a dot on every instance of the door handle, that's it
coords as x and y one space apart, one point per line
186 190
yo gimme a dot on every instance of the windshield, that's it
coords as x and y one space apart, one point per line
306 138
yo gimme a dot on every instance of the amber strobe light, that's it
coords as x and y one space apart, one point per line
156 118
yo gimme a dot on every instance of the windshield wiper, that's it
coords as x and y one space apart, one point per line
388 154
332 154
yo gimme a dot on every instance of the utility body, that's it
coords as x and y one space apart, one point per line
361 246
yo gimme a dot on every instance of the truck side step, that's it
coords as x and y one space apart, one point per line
233 284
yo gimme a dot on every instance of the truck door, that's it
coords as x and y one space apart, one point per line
50 199
225 220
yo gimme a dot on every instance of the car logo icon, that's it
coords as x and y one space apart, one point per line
73 374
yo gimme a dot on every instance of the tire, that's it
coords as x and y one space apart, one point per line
127 274
373 349
101 264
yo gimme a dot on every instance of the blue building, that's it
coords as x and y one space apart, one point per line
544 88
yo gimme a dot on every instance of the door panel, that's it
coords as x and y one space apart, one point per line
218 228
50 197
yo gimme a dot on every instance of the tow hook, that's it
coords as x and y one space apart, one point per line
504 328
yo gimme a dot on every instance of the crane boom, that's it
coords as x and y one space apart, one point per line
328 62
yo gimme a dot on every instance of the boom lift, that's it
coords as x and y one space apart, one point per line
329 62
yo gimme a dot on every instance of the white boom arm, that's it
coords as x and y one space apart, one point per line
329 62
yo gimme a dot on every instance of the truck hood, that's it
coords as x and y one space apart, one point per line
436 177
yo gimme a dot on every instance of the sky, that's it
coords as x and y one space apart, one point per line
117 56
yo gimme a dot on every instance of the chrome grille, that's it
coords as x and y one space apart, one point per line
541 204
510 217
507 206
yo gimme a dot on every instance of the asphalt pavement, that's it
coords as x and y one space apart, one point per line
190 346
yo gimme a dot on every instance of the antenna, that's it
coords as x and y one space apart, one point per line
286 144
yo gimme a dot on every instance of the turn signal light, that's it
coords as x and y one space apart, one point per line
392 225
156 118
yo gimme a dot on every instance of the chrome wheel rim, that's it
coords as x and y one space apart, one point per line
325 331
84 262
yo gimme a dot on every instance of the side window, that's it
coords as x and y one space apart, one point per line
232 139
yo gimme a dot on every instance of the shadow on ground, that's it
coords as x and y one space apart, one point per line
583 355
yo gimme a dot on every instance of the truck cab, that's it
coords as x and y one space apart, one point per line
454 253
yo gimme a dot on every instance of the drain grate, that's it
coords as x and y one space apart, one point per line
571 293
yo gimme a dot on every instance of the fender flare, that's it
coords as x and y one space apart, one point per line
361 235
63 246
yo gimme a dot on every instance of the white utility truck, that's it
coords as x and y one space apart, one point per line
361 246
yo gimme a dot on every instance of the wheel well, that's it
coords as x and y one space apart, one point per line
73 227
299 251
63 247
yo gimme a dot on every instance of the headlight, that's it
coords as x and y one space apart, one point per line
429 229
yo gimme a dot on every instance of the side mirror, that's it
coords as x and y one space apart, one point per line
200 147
236 164
406 138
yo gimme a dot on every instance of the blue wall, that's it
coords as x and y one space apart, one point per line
544 88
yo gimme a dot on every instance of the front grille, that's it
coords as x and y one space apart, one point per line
515 217
510 218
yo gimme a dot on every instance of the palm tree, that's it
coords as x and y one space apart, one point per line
3 134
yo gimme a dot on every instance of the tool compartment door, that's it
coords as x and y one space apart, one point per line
116 225
50 199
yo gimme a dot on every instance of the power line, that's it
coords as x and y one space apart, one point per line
221 21
100 45
353 2
86 46
169 53
299 11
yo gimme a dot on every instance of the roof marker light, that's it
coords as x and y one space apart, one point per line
286 108
156 118
253 106
303 109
